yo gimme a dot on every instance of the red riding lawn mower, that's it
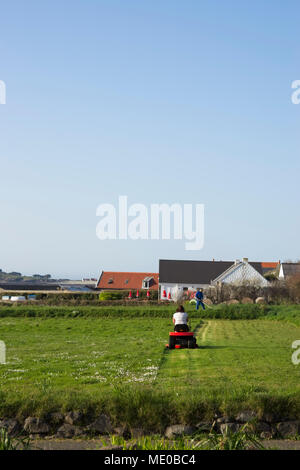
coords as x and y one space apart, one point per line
181 340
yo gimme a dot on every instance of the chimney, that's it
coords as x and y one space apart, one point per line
245 260
237 261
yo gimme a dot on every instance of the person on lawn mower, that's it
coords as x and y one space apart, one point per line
180 320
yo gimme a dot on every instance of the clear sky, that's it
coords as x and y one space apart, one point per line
163 101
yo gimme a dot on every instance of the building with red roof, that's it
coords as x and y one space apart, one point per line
112 280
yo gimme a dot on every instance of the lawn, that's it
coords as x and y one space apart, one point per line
251 357
120 365
77 357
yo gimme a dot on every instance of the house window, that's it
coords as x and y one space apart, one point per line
147 282
110 281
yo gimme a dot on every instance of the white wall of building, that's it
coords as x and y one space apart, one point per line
281 273
172 288
241 273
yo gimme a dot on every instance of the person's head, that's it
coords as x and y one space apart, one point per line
180 308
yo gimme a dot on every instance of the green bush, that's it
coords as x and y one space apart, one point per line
111 295
124 294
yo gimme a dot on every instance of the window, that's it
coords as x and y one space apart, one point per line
110 281
147 282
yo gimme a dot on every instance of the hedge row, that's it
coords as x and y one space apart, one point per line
230 312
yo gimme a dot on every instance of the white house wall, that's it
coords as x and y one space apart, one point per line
171 288
281 273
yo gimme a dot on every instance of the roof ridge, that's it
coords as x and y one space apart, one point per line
130 272
199 261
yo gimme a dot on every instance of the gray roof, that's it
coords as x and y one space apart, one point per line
290 269
195 272
20 286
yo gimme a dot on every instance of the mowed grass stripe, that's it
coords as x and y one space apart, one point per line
235 355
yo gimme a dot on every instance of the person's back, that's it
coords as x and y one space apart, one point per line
180 320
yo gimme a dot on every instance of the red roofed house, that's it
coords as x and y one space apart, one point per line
111 280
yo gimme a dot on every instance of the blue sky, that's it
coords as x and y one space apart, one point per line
162 101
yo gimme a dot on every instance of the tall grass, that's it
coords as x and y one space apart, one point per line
240 440
9 443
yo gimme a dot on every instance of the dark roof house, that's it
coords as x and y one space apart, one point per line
190 272
207 273
288 269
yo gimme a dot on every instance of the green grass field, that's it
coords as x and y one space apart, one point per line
120 365
236 358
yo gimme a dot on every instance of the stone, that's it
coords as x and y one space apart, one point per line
232 302
67 431
123 431
229 427
37 436
138 432
101 425
36 426
260 300
224 419
204 426
261 428
272 418
246 416
73 417
208 301
179 430
246 300
56 418
288 428
12 426
266 435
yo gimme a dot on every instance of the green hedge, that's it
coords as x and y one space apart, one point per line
124 294
231 312
163 311
111 295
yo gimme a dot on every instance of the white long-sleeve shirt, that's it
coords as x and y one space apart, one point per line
181 318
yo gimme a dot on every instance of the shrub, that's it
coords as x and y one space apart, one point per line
111 295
